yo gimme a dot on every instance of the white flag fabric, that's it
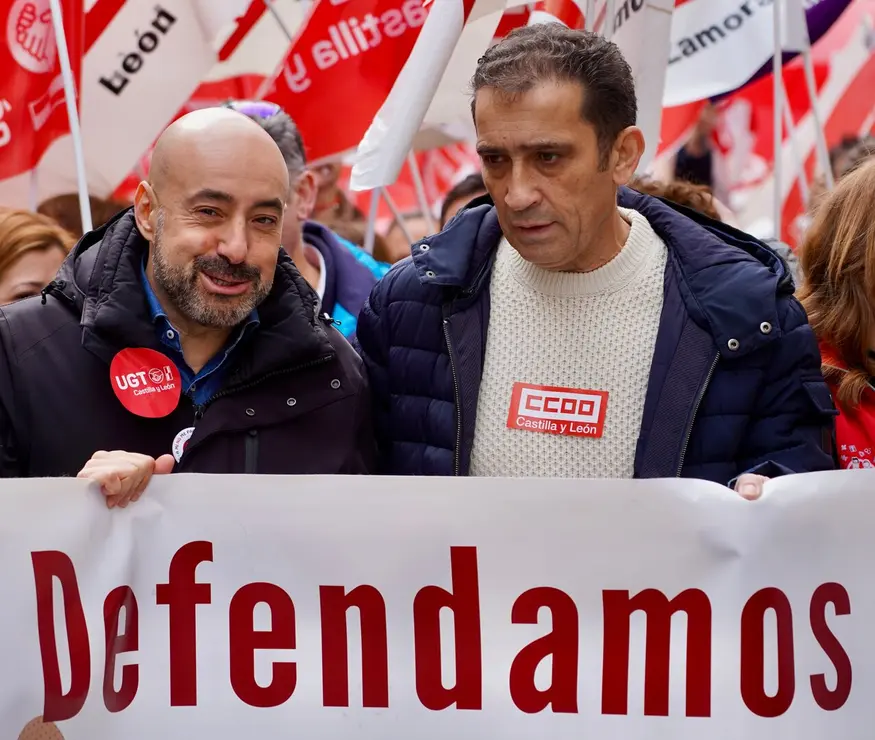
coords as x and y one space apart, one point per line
389 609
442 49
644 38
718 45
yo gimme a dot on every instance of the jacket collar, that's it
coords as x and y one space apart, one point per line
728 280
100 279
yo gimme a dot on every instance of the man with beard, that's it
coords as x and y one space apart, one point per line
180 336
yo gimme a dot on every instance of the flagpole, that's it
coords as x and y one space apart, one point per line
794 147
589 17
267 83
371 233
72 113
399 219
33 195
609 20
778 118
419 187
819 133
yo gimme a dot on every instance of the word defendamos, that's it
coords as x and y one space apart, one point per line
182 594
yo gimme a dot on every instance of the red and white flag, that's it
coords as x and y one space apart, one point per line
32 111
443 58
145 59
342 66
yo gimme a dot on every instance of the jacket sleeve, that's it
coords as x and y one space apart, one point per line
793 424
11 465
372 343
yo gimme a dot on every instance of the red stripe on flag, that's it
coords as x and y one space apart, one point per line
98 18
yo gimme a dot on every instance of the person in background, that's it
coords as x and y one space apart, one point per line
65 210
32 248
695 160
849 153
838 293
699 198
332 204
460 195
189 296
341 273
355 232
397 242
551 333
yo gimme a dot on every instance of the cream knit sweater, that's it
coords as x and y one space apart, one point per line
592 331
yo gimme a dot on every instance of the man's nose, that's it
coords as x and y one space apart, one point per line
234 244
522 192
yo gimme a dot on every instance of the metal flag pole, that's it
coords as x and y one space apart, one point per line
267 83
399 219
608 31
819 133
794 147
778 118
589 16
421 196
72 113
371 233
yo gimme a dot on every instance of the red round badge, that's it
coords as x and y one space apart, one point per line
146 382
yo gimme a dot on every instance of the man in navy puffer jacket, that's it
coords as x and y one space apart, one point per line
576 328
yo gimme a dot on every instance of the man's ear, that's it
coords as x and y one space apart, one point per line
146 210
305 195
627 152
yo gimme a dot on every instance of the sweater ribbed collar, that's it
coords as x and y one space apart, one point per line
642 247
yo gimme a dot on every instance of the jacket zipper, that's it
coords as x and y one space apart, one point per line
699 398
456 398
200 409
250 464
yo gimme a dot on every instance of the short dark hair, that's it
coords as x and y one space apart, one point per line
466 188
285 133
552 52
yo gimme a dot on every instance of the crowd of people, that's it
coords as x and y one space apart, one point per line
569 319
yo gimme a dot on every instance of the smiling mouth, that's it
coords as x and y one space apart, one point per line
224 286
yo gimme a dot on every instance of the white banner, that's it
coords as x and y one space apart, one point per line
222 607
718 45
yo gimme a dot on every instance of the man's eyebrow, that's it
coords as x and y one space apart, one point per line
532 146
488 149
210 194
274 204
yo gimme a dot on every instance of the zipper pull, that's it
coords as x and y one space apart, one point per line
199 412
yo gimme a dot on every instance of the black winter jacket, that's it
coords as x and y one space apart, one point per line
295 399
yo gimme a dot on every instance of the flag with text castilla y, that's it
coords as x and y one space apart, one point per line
32 106
342 66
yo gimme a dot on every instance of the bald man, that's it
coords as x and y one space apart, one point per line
180 337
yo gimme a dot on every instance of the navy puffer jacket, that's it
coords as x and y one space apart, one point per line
735 384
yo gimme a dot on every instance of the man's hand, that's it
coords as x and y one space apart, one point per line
123 476
750 486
